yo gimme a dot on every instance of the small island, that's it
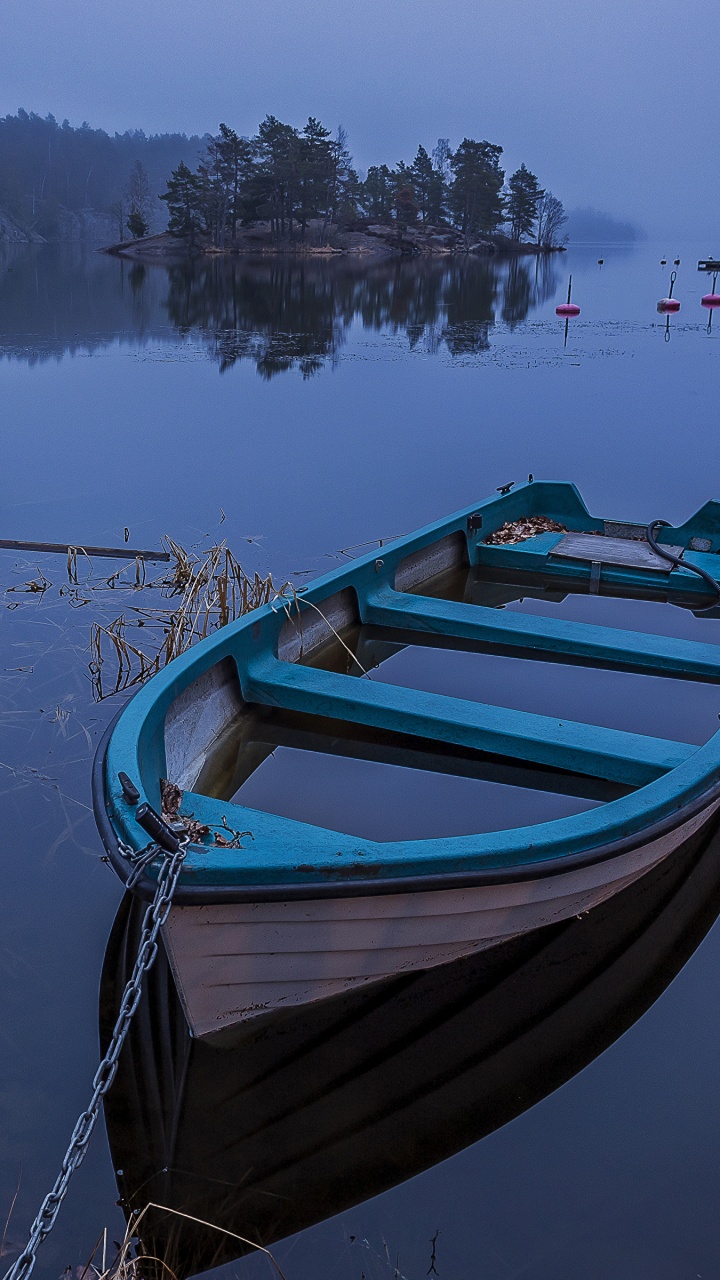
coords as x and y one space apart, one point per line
297 191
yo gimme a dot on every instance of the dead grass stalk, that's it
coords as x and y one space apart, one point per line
197 594
130 1263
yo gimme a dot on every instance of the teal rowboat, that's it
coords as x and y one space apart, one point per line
294 912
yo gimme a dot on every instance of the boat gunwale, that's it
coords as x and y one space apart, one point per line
207 894
603 833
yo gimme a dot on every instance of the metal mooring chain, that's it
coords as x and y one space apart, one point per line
154 919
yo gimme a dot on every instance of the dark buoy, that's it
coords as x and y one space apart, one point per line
568 308
600 261
711 299
663 262
666 305
677 262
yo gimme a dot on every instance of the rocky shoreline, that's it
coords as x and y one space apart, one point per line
72 226
373 241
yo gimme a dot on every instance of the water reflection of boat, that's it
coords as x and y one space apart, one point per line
300 910
285 1122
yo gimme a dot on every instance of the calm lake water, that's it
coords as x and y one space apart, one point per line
301 410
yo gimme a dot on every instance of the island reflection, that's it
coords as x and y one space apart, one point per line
279 313
296 313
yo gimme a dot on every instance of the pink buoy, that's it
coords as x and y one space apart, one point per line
667 305
711 299
568 308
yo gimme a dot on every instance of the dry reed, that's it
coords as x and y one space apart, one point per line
130 1264
197 592
207 590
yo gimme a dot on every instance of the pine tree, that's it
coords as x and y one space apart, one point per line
406 205
277 149
376 193
423 175
524 196
235 156
316 172
184 198
136 225
476 193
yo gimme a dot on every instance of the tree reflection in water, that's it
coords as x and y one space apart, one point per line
281 313
294 313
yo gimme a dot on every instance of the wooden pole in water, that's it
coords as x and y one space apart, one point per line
62 548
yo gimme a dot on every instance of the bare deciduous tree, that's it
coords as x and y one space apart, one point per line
137 194
551 218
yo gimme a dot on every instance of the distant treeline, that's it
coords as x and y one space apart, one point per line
46 167
283 175
600 228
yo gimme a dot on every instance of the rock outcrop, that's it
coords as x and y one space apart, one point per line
11 232
74 225
363 239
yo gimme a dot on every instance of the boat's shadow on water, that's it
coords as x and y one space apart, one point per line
297 1116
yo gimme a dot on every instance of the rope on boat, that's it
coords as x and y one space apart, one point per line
153 920
675 560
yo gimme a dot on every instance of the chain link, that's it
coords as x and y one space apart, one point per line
153 920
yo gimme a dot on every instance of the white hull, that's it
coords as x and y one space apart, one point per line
235 962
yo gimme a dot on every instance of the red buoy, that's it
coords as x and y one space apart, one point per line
711 299
568 308
669 304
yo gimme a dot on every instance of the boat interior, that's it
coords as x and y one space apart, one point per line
516 664
385 784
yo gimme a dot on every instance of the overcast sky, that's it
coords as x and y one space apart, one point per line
611 102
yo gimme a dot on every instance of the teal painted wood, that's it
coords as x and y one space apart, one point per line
536 556
545 637
669 776
561 744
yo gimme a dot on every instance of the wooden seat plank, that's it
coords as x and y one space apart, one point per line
617 756
545 638
625 551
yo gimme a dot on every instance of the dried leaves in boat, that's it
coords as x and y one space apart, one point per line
171 796
527 527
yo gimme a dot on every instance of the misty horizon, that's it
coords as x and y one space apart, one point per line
584 223
609 106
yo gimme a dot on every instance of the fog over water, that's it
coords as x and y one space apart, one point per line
611 105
